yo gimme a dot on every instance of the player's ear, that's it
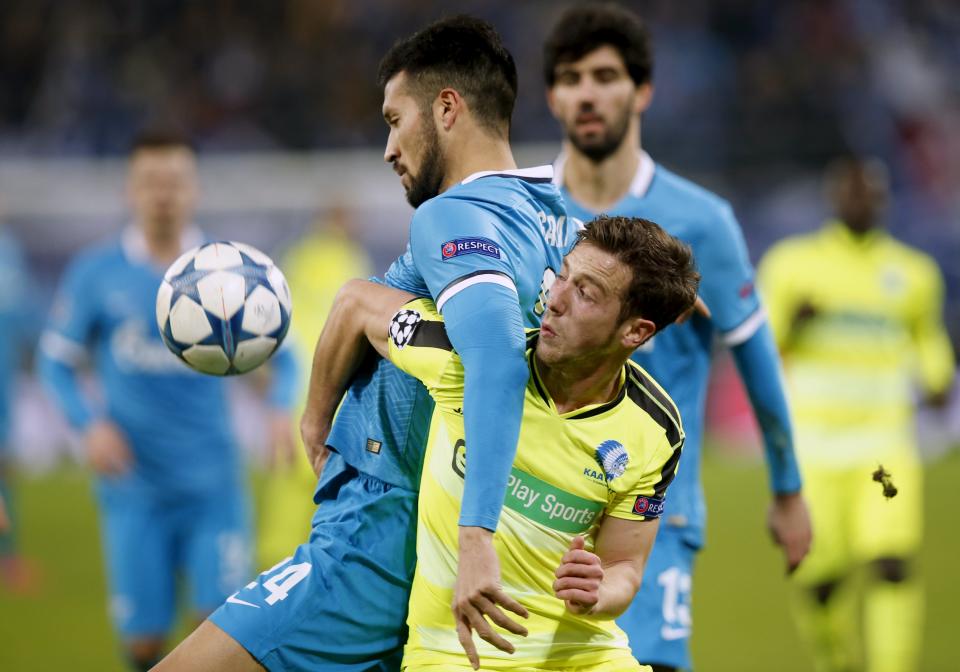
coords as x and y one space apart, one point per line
636 331
447 107
643 98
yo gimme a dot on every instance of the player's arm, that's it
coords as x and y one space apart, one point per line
61 352
935 360
728 289
342 345
475 291
602 584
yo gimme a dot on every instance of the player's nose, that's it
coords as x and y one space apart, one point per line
391 152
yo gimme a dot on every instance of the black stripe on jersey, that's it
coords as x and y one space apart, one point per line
533 180
454 283
602 408
430 334
658 406
533 370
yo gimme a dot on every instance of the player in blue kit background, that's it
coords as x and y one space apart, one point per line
169 481
597 66
485 242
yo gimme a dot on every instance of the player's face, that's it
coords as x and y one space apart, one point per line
162 187
860 194
595 100
413 146
582 321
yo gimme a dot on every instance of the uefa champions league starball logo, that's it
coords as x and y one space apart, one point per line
402 327
613 458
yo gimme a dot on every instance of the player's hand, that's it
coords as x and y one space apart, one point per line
314 433
477 594
789 523
283 450
107 449
698 308
578 579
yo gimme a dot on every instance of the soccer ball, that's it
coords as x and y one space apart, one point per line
223 308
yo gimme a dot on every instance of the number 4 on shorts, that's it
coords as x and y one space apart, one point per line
279 585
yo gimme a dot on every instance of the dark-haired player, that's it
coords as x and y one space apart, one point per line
597 66
486 242
169 481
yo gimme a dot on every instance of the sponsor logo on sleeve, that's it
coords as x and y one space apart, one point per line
648 507
462 246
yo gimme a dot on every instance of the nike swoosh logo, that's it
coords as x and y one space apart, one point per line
233 600
670 634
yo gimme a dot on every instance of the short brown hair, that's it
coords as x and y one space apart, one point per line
587 27
664 279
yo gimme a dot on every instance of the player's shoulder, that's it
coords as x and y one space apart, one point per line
689 197
920 265
505 190
794 247
648 397
97 256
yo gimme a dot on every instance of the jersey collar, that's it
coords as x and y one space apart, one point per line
135 244
580 413
840 231
535 174
641 179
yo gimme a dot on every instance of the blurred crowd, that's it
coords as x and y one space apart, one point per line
753 97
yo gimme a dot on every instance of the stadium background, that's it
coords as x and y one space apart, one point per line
753 98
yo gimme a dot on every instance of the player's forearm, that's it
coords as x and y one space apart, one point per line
485 327
759 366
60 382
621 581
340 350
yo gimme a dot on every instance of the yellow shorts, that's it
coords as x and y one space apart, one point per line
853 523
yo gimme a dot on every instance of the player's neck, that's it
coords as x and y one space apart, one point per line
600 185
163 248
476 154
575 385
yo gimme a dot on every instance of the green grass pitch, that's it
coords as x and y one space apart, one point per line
740 612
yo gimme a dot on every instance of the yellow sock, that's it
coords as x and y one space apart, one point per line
830 628
893 625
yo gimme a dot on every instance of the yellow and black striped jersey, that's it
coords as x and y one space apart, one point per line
571 469
859 319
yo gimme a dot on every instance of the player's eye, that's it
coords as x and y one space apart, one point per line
605 75
568 78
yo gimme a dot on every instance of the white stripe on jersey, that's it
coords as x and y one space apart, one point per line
59 347
458 286
747 328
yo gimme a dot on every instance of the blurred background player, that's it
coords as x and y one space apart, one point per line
316 266
598 66
17 326
858 317
170 485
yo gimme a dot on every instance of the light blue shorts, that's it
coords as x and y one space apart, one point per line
340 602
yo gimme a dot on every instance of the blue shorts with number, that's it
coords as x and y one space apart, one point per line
340 602
150 539
658 622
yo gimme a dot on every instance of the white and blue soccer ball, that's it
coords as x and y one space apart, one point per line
223 308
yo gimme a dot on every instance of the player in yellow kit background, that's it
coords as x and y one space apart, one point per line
316 266
858 318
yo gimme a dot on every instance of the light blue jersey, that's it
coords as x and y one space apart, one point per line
507 229
679 358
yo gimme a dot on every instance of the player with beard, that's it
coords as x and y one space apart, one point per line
486 241
597 66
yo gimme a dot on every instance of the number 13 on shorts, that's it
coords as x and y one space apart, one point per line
278 585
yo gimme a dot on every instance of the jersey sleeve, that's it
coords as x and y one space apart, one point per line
418 345
456 244
63 344
727 284
644 493
935 361
403 274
